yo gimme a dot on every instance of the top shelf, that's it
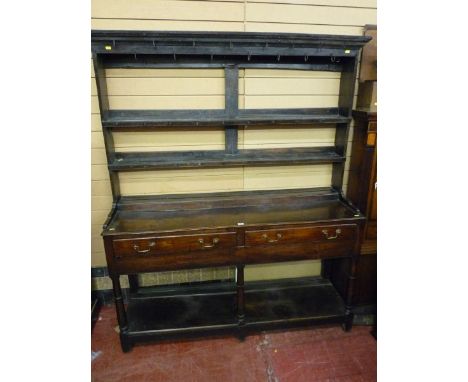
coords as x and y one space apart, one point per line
143 49
153 118
111 42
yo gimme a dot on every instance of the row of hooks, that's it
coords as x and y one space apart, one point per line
292 45
333 59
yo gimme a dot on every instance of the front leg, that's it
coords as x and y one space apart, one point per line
121 314
133 283
240 303
348 323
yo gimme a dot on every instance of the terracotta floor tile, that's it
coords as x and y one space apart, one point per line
307 355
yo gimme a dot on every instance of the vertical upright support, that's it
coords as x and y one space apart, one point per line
115 183
345 106
349 294
231 138
240 293
353 263
347 82
103 100
121 314
327 268
231 90
99 73
231 106
240 301
341 142
133 283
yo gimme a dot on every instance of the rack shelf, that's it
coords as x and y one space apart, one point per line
196 159
154 118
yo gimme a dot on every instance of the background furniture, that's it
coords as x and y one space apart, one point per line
157 233
362 181
362 191
367 95
362 187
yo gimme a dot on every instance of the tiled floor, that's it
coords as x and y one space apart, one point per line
318 354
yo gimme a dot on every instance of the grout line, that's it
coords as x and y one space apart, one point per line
262 349
307 5
231 21
169 20
285 2
245 15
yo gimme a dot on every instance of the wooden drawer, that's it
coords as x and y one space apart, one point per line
296 251
160 245
332 233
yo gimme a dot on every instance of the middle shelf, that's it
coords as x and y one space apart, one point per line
138 119
130 161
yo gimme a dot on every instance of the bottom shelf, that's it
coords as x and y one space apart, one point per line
212 308
310 299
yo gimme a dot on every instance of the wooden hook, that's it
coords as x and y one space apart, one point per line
334 59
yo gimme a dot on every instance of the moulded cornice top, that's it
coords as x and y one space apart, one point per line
143 41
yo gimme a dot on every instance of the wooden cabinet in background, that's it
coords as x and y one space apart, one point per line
362 183
362 191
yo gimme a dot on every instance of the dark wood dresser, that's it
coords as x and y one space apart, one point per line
169 232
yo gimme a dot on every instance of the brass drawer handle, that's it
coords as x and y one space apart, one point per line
151 244
213 242
337 233
278 237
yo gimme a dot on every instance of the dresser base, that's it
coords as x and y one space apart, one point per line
173 232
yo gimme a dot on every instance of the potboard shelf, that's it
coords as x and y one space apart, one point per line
290 301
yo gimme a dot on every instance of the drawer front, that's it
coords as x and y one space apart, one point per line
272 237
298 251
160 245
